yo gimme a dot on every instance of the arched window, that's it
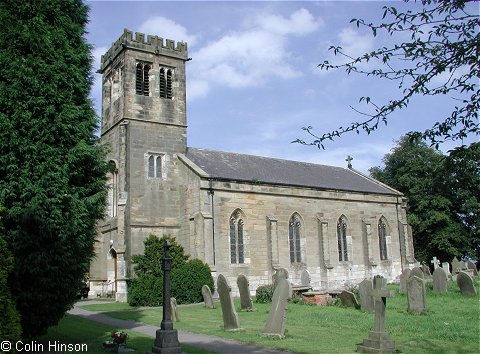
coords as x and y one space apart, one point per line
236 238
342 239
151 166
113 188
155 164
166 78
382 238
294 239
141 79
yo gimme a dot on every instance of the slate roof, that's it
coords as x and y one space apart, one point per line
241 167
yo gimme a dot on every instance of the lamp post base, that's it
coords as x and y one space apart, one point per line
166 342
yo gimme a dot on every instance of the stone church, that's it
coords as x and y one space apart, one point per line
241 214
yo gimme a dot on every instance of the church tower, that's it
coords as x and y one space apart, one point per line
143 128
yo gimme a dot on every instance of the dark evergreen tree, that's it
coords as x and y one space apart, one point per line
443 196
52 180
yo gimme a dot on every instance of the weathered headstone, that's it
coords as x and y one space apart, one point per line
305 278
435 262
416 295
440 284
466 285
403 280
230 316
174 309
446 268
473 267
417 272
348 299
207 297
281 273
426 270
275 326
462 266
378 340
455 266
244 289
365 291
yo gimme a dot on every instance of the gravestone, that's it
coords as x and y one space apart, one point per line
305 278
446 268
473 267
416 295
455 266
466 285
174 309
348 299
275 326
440 284
435 262
230 316
426 270
462 266
244 289
403 280
207 297
365 291
281 273
378 340
417 272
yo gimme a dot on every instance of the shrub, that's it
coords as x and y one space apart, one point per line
264 294
187 281
146 290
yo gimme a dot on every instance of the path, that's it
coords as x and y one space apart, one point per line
211 343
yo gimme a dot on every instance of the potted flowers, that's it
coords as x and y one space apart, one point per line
118 338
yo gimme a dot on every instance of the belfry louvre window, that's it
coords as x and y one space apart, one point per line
141 79
166 78
294 239
382 239
236 238
342 239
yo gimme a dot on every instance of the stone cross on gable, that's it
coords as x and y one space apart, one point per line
349 161
380 294
435 262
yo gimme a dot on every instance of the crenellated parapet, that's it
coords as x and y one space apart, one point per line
152 44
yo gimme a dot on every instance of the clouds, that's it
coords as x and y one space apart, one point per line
167 29
251 56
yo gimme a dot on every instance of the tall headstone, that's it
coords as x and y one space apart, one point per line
440 284
281 273
365 291
207 297
466 285
349 299
455 266
166 340
416 295
244 289
473 267
305 278
174 309
446 268
417 272
275 326
403 280
378 340
426 270
230 316
435 262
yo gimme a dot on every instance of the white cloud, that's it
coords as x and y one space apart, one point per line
251 57
197 89
354 43
167 29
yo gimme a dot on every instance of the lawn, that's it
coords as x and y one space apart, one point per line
76 330
451 325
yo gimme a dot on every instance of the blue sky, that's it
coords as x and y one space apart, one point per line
254 83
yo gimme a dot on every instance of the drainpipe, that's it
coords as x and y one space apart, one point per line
211 193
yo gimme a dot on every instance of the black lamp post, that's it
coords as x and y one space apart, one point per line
166 340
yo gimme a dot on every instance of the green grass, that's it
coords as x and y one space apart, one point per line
107 306
77 330
451 325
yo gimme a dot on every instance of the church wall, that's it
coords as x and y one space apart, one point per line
259 203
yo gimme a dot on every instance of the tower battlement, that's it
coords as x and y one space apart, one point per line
153 44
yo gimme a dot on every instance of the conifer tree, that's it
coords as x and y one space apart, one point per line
52 182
